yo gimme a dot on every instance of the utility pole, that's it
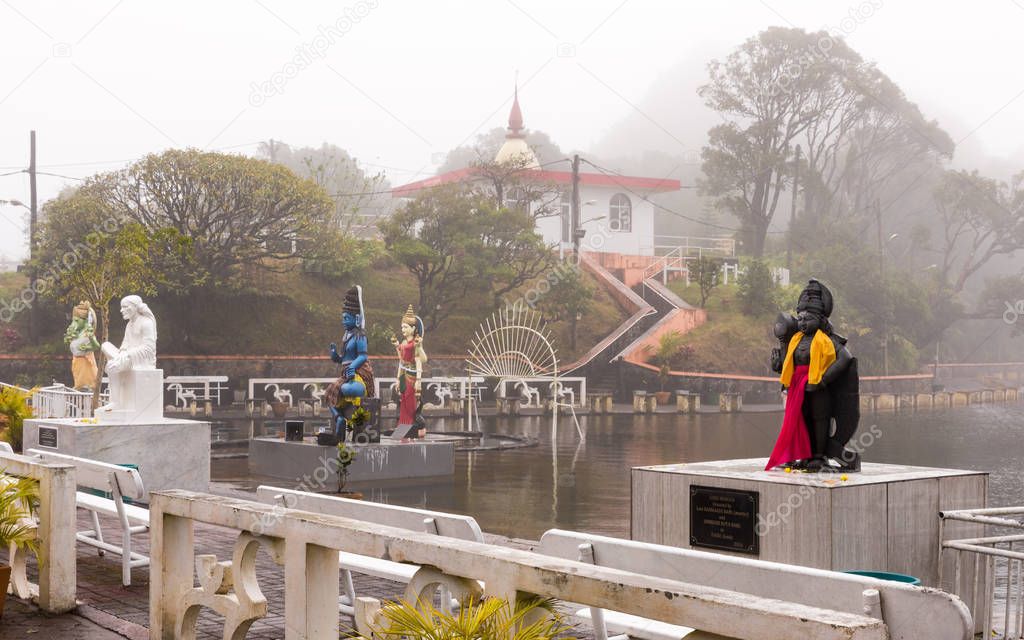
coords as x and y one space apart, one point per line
881 275
792 209
33 330
273 151
577 233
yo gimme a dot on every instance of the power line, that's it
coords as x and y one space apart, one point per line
57 175
12 173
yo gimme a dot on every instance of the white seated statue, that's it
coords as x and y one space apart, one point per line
136 385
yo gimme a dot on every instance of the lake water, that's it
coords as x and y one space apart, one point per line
585 486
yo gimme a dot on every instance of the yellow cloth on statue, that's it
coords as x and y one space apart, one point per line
84 371
823 354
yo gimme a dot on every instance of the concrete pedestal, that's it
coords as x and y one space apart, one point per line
884 518
170 454
306 461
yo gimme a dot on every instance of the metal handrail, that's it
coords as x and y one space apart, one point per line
995 570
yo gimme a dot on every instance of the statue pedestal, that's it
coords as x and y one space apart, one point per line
883 518
170 454
137 397
306 462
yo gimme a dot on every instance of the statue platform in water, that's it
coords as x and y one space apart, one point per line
884 518
387 460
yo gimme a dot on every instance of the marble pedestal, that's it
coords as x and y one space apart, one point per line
307 462
884 518
136 396
170 454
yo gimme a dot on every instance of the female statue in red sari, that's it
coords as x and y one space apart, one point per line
823 400
411 358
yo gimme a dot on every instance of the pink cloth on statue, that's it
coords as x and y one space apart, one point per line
794 443
407 400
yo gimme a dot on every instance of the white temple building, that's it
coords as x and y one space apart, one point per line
614 210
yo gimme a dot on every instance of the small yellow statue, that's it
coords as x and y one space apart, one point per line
81 339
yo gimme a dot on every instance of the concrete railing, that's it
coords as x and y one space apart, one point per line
307 545
55 533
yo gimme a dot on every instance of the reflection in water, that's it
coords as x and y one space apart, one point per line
566 483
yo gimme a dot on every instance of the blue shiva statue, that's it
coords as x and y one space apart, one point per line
350 397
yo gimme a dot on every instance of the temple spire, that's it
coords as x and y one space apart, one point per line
515 117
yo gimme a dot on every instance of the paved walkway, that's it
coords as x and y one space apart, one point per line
22 620
108 610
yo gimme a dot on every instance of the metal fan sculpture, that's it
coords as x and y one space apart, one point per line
514 344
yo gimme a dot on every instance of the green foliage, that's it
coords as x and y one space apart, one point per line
757 289
489 619
347 455
567 296
708 272
18 500
239 212
460 247
379 337
14 409
670 344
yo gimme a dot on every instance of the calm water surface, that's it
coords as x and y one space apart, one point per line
586 486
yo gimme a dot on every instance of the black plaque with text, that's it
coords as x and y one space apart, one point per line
48 437
724 519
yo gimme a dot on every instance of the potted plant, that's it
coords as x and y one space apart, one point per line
18 499
534 618
14 409
669 346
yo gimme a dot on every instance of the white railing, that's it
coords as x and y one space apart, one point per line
722 247
987 571
306 544
58 401
55 533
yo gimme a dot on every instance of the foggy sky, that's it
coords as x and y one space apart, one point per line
398 83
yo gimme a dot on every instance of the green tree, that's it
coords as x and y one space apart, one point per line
360 198
240 213
462 248
88 252
981 218
757 289
569 298
708 273
436 236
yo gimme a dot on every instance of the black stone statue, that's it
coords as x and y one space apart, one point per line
823 398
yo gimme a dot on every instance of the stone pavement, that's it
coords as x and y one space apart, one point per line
123 612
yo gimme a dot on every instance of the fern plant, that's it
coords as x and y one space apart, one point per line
18 500
534 618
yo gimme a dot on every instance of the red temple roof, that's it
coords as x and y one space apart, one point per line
653 185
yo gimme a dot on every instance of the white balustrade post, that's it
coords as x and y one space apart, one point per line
311 592
172 558
57 560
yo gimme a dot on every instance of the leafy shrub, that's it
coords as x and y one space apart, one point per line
13 411
757 289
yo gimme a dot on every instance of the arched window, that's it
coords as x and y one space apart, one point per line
620 213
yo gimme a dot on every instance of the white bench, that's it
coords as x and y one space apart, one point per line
437 522
120 482
909 612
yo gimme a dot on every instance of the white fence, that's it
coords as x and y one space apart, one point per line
58 401
306 544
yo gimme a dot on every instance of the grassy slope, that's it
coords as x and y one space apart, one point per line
729 342
295 313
